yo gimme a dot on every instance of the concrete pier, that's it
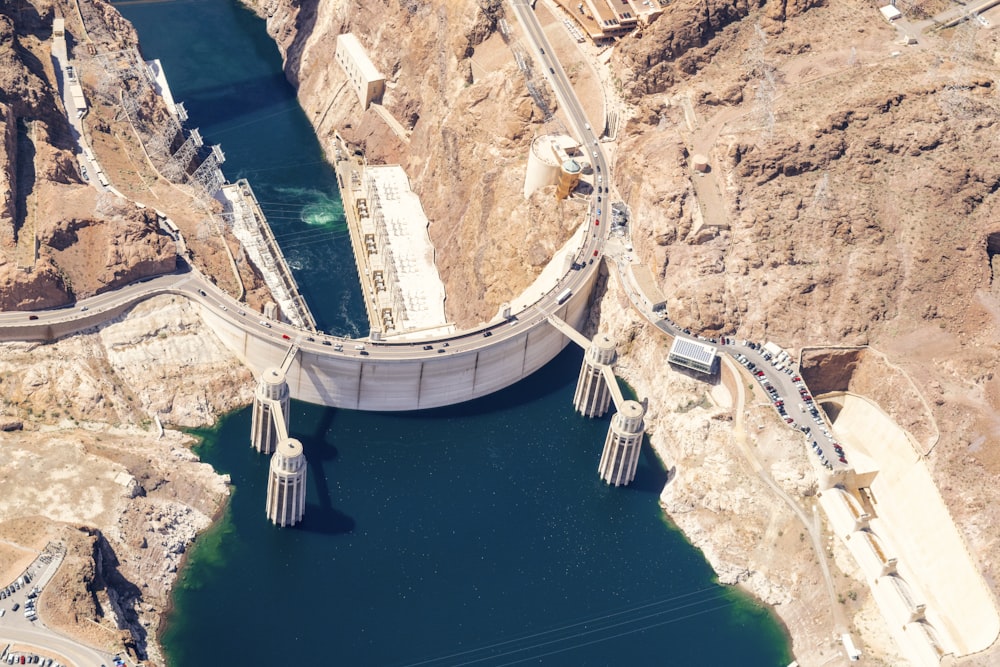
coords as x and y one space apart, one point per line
286 484
621 448
270 411
593 395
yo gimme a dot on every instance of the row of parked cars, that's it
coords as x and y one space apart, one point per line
30 612
30 659
761 377
15 586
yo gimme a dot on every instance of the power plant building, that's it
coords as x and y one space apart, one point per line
606 19
368 82
408 291
553 159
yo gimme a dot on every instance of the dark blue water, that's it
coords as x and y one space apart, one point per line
478 534
221 64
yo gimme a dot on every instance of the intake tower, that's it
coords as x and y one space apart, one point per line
270 411
286 484
621 448
593 395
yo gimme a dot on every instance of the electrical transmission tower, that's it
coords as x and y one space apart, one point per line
181 158
208 175
758 68
955 98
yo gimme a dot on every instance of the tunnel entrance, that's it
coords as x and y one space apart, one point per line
993 254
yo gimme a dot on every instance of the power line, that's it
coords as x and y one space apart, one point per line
620 634
585 622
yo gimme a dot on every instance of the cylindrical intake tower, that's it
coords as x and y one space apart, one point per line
270 403
593 396
621 449
286 484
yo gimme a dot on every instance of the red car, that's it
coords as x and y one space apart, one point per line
285 336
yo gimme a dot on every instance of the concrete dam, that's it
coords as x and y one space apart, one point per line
389 376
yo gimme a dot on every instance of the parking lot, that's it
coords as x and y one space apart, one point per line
790 398
24 640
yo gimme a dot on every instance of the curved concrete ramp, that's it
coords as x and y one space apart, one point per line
909 512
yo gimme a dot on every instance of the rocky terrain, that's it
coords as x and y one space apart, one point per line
92 468
470 129
88 242
849 202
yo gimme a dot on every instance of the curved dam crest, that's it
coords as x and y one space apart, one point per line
348 379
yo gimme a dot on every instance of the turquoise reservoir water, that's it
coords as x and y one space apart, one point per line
473 535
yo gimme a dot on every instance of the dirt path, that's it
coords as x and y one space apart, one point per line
812 525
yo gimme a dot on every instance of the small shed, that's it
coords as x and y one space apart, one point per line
890 13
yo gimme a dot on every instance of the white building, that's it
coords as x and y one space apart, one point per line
409 292
368 82
693 354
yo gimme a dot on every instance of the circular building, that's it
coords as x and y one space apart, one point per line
547 163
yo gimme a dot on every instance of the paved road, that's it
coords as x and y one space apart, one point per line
576 118
32 326
33 636
812 525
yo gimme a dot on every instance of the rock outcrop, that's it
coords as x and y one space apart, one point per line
91 455
490 243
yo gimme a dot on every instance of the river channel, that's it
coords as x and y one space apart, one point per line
476 534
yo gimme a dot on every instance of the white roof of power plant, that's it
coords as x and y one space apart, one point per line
410 246
692 353
348 41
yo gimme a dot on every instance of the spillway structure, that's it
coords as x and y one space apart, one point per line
620 458
593 395
270 411
286 484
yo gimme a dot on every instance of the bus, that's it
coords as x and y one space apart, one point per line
564 296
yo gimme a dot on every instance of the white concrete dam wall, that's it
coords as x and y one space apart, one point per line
346 379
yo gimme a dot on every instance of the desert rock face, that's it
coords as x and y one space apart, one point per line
90 241
469 132
45 197
93 470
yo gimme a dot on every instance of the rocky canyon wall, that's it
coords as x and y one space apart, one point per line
469 128
92 469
